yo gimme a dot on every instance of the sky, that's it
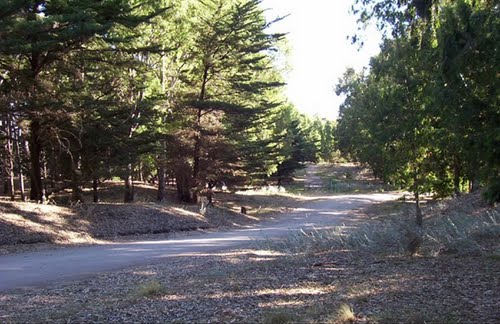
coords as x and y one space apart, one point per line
320 51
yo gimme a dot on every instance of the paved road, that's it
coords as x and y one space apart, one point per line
42 268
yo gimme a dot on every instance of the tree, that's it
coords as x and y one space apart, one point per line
298 143
39 35
228 80
417 117
327 144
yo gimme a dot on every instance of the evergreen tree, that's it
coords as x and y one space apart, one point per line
39 35
228 80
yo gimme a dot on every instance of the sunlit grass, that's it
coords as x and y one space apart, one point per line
345 314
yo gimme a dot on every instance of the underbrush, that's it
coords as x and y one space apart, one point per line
449 229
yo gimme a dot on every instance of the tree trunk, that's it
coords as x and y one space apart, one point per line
197 140
28 154
19 165
36 191
418 211
45 176
10 157
139 172
162 172
472 175
197 149
456 176
129 185
95 191
161 183
76 183
473 184
6 187
183 182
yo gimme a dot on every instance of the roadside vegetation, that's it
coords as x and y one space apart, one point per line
28 226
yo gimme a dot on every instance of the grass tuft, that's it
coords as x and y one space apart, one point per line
345 314
152 288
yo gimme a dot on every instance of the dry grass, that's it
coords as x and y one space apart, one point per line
261 286
345 314
465 226
278 317
348 177
281 289
25 226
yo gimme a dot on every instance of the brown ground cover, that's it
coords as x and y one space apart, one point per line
30 226
305 283
264 286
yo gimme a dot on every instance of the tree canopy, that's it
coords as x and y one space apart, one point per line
426 115
144 90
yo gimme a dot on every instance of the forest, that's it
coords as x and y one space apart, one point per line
193 91
426 116
146 91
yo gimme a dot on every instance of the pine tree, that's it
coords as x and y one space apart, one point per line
228 72
40 34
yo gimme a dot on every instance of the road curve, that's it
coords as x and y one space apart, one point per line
41 268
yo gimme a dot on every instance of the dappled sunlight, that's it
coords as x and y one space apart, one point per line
50 299
273 191
284 303
145 273
307 290
184 212
174 298
43 223
5 298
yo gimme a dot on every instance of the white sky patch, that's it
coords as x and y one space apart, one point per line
321 52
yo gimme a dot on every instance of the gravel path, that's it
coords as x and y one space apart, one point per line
313 181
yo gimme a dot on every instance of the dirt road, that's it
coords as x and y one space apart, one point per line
41 268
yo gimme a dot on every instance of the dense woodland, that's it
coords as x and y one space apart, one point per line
146 91
426 115
192 91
